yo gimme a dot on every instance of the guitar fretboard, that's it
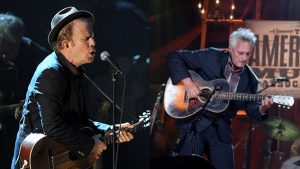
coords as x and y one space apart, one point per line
239 96
108 139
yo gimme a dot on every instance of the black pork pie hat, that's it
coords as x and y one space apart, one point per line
63 17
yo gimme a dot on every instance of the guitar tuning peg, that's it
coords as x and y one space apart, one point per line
279 105
288 107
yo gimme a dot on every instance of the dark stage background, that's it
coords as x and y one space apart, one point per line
122 28
176 24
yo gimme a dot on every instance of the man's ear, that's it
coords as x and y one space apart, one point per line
65 44
230 49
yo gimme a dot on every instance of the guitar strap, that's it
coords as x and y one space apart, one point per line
253 73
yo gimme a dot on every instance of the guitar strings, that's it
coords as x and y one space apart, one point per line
57 159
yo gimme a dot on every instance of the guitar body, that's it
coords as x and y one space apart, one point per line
214 96
177 104
42 152
38 151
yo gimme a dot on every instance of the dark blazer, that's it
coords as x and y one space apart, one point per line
210 64
55 106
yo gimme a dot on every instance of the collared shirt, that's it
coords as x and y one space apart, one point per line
232 75
76 71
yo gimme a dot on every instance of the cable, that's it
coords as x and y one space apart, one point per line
104 94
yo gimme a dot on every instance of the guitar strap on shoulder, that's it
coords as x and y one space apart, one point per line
253 73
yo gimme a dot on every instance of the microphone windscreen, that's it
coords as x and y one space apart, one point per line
104 55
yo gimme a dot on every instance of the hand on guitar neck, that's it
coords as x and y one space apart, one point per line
123 135
99 146
265 105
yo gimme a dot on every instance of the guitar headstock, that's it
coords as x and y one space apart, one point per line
284 101
144 119
144 122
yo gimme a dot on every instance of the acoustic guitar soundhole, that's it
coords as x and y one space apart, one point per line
205 94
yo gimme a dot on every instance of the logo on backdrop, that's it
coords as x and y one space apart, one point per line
277 54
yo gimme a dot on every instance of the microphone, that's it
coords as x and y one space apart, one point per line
105 57
273 82
281 79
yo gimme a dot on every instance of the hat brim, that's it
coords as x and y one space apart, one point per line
79 14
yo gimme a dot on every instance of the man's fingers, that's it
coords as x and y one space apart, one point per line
126 125
124 136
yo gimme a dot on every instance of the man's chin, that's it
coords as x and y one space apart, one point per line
240 65
91 59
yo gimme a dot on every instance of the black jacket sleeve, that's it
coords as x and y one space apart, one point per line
49 91
179 62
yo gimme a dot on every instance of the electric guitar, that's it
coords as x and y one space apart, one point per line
41 152
214 96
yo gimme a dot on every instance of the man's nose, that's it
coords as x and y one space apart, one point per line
245 57
92 42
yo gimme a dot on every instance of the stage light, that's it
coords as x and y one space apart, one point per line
218 12
199 5
202 11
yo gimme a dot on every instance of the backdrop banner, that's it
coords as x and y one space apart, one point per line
276 54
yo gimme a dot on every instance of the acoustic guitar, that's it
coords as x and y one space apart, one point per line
214 96
41 152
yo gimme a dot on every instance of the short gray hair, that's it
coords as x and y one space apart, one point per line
11 33
243 34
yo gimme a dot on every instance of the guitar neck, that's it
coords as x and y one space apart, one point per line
239 96
108 139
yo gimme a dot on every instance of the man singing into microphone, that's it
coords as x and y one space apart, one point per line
55 101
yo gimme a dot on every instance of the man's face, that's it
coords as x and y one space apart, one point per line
241 53
82 45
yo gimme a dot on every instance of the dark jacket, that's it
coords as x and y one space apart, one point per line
55 106
210 64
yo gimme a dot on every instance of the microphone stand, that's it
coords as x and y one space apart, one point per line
192 127
157 107
105 95
272 84
114 84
